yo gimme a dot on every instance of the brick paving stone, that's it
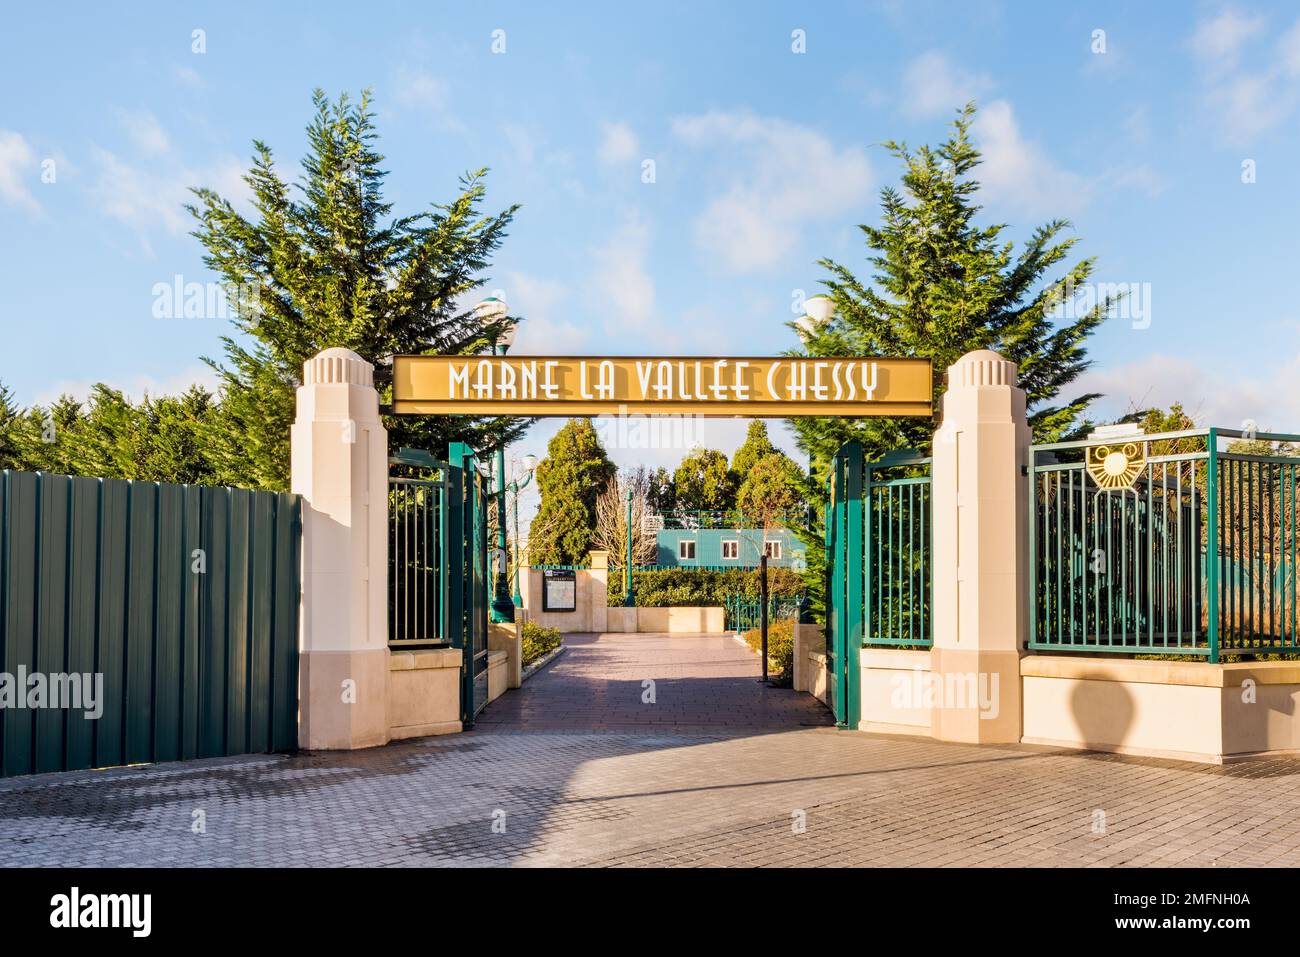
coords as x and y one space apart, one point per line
582 772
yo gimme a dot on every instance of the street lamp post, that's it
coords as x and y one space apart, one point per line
492 310
530 463
818 313
628 600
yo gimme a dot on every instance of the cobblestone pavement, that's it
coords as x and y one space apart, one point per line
699 682
690 792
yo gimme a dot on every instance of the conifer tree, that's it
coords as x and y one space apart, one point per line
323 264
944 284
570 479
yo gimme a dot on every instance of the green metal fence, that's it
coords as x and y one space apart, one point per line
179 602
1193 552
744 613
437 561
897 545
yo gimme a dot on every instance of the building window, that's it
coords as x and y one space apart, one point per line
686 550
772 550
731 549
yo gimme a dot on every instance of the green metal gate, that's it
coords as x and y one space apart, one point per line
878 564
179 603
438 591
846 573
1191 552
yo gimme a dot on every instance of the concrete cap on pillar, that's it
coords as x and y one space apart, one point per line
981 367
337 366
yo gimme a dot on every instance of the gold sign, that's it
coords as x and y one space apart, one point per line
548 385
1116 466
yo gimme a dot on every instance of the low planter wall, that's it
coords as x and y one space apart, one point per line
681 620
424 692
1189 710
893 691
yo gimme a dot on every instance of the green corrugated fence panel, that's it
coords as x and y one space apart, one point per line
191 622
179 603
22 521
172 570
83 611
237 613
261 621
284 667
110 637
212 655
141 588
52 579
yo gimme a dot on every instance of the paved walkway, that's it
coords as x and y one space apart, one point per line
666 682
694 791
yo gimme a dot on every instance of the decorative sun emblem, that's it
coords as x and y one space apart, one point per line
1116 467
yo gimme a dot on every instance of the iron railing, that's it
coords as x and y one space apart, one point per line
437 561
745 613
417 550
1194 556
896 540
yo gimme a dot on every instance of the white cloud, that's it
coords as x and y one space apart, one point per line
1211 395
780 176
420 90
1017 171
932 85
134 387
618 144
138 199
1218 40
622 284
17 168
148 199
146 133
188 76
1251 100
521 141
544 329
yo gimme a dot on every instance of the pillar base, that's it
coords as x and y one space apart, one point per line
976 696
338 717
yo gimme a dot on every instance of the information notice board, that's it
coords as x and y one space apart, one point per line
559 589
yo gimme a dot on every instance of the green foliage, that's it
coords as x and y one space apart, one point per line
570 480
660 494
330 267
159 439
11 455
690 587
537 641
780 646
703 482
773 486
944 285
757 445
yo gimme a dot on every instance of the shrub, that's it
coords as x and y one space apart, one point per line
538 641
780 646
675 587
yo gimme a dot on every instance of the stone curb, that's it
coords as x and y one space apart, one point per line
541 663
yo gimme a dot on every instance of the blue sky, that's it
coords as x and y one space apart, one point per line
765 160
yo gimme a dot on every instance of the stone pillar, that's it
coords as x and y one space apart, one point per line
599 614
340 468
980 553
